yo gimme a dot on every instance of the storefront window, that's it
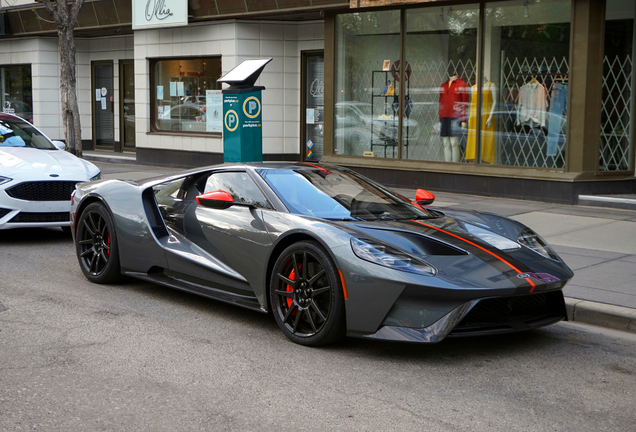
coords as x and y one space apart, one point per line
186 95
367 46
441 60
617 125
525 85
17 92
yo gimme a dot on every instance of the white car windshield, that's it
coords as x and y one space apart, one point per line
15 132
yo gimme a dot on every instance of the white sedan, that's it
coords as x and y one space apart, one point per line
37 177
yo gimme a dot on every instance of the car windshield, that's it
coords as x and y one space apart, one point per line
18 133
338 194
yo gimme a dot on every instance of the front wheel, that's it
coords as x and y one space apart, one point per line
96 245
306 295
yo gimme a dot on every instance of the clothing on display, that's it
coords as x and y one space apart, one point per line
453 98
446 128
488 146
558 110
533 104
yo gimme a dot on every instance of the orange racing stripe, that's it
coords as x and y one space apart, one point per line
484 249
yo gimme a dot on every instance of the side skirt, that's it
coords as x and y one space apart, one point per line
212 293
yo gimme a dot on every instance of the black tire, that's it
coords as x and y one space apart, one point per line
96 245
306 296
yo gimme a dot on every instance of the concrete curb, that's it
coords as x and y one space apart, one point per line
601 314
110 159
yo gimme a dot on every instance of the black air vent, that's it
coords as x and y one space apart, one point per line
512 312
4 212
42 191
152 212
40 217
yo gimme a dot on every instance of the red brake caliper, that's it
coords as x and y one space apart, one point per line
292 276
108 243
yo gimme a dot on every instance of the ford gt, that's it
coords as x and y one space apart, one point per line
328 252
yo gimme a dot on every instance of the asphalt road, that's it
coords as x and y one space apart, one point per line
138 357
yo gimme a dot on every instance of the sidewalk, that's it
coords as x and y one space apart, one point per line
598 243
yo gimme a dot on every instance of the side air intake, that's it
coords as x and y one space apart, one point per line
153 214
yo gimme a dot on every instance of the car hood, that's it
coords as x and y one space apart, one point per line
24 160
446 239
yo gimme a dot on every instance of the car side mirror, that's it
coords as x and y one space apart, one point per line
424 197
215 200
219 200
59 145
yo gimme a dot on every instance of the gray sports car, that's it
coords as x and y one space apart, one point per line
328 251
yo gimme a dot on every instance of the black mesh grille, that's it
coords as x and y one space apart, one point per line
40 217
42 191
513 313
154 217
4 212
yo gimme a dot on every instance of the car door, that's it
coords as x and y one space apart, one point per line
227 248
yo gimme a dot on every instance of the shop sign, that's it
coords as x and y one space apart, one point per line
372 3
159 13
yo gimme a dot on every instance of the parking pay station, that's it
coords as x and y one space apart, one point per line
242 113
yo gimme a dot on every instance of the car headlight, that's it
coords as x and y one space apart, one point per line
387 256
532 240
97 177
4 180
500 242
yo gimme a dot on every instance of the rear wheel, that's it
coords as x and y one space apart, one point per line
96 245
306 296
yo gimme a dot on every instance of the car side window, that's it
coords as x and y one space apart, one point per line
239 185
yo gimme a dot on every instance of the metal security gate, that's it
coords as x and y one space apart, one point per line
617 125
527 147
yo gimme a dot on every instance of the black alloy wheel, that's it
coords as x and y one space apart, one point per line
306 296
96 245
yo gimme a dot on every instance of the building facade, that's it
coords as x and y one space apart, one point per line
522 98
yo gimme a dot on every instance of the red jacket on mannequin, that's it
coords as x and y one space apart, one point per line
453 99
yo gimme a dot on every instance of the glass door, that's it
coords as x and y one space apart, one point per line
102 94
313 106
127 106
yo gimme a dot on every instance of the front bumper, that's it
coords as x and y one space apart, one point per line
493 315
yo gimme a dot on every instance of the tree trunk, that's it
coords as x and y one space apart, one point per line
68 85
65 14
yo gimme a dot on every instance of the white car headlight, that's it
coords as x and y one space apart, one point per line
500 242
387 256
532 240
4 180
97 177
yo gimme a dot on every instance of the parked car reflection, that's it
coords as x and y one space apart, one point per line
184 117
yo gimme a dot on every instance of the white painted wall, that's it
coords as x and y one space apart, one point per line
43 56
113 48
235 41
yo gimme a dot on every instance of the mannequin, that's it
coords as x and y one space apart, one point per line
453 99
488 145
